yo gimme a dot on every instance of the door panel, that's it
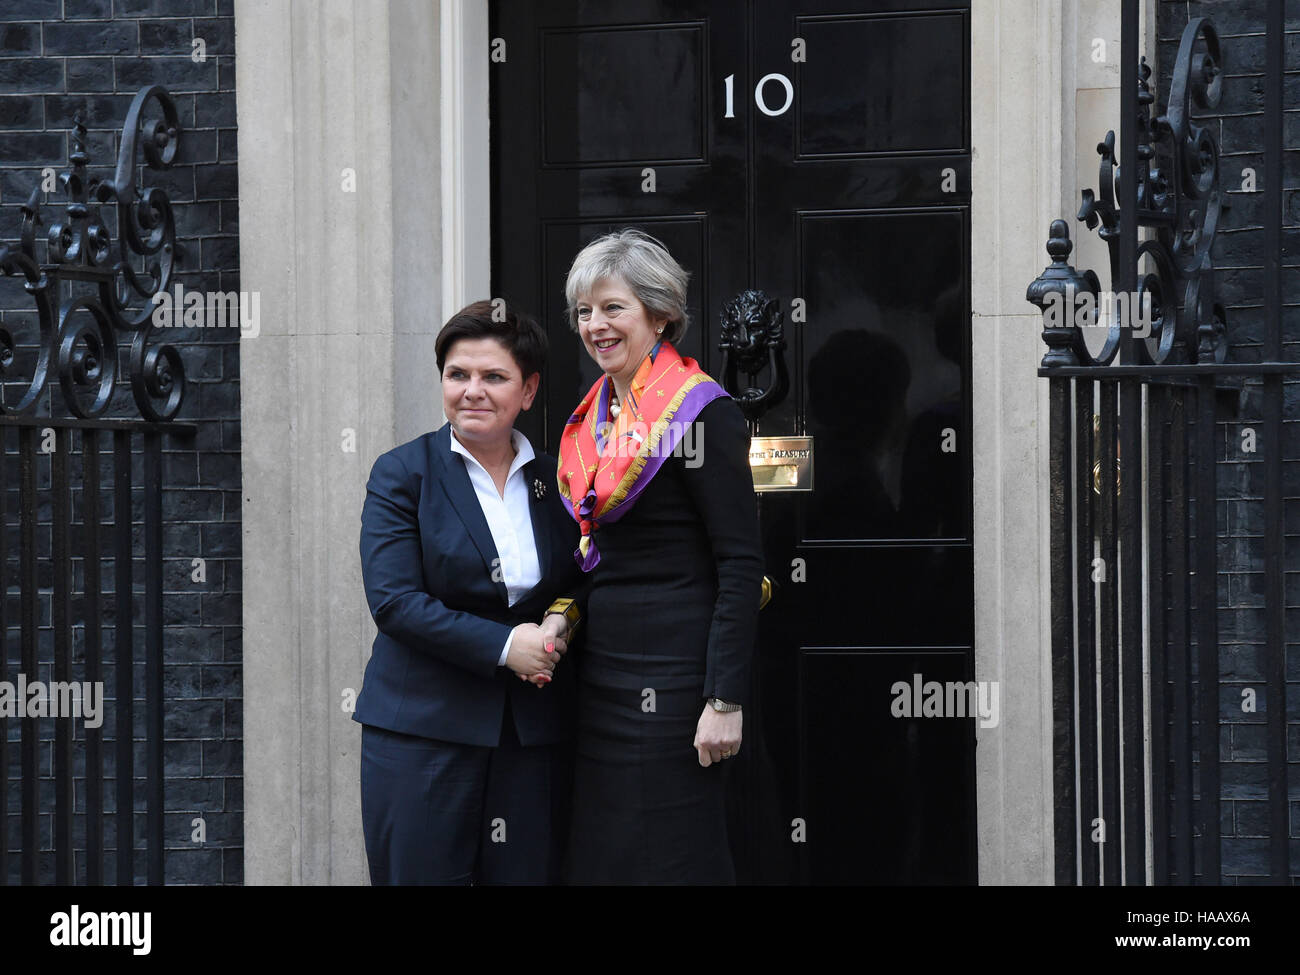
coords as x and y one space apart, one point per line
883 372
854 199
632 115
917 835
881 83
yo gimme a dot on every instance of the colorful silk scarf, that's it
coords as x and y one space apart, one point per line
605 464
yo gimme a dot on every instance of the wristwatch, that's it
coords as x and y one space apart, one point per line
720 705
567 608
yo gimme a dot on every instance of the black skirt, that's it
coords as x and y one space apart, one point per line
645 812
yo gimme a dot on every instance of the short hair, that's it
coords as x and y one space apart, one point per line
644 265
519 334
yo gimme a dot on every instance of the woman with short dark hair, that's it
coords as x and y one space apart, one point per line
464 547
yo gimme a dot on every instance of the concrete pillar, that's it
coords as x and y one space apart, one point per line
1019 154
340 219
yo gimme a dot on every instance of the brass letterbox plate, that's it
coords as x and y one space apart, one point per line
782 463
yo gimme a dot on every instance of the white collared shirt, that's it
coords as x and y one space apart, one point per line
508 519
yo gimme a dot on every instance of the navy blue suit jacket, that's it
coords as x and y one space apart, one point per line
427 560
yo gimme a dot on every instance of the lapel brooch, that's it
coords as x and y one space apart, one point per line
539 488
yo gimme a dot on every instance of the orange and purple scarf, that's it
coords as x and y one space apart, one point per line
605 464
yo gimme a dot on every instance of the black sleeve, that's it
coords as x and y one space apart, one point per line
720 483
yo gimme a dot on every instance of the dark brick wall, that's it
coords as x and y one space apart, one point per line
58 57
1238 258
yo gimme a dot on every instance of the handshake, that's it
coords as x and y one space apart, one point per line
536 650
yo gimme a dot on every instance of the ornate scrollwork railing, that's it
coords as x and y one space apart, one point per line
1178 195
79 335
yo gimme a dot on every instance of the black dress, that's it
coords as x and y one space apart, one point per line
670 618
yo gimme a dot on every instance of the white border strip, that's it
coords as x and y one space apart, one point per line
466 189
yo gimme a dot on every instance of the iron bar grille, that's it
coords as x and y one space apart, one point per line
1146 700
81 520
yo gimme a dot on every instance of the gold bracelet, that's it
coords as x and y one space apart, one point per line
567 608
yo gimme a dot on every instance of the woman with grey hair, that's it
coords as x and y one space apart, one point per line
654 464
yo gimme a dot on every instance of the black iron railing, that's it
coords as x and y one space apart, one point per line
72 471
1134 540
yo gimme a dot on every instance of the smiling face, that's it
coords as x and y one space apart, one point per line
483 390
617 329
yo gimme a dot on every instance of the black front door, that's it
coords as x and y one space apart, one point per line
820 153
